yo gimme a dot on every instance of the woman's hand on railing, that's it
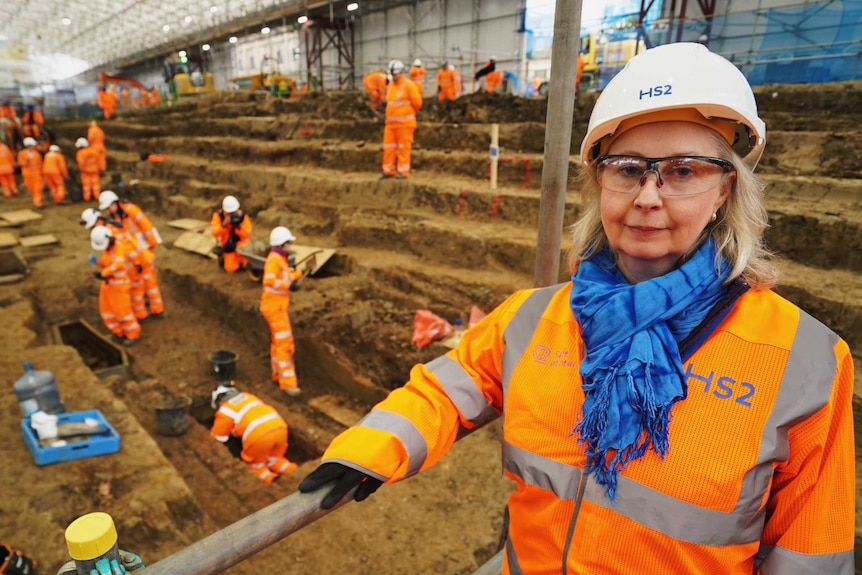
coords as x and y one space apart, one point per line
345 479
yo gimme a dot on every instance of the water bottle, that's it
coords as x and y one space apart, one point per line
37 391
459 329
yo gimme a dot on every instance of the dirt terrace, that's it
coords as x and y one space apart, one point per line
442 241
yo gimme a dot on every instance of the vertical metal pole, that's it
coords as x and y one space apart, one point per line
495 153
558 139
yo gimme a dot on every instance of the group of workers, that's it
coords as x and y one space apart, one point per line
51 169
107 99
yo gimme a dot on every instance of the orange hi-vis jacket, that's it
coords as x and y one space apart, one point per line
448 84
8 112
493 79
54 164
7 160
95 136
88 160
245 416
417 76
277 278
30 161
116 263
375 86
138 225
222 232
403 100
758 478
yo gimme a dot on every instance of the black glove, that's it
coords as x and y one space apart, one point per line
345 479
230 246
139 267
217 250
98 275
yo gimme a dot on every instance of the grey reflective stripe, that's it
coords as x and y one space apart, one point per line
462 390
402 428
520 329
783 562
512 558
356 466
542 472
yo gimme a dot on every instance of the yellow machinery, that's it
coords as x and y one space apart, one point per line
188 78
272 82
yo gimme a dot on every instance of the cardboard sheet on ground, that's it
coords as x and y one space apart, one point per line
40 240
7 240
310 257
190 224
20 216
197 243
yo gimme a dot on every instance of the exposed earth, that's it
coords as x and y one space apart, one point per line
442 241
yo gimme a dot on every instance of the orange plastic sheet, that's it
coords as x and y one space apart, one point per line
428 327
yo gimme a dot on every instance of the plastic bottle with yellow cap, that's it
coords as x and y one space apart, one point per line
92 543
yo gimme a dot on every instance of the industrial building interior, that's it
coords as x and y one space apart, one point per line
264 100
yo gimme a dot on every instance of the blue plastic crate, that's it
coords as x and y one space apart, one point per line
97 444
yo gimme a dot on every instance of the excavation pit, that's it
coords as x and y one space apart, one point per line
98 353
13 267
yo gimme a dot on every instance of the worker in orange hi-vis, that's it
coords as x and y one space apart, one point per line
90 218
30 161
417 75
579 73
125 98
7 172
115 303
105 102
88 165
262 430
33 122
143 96
232 229
493 76
279 279
56 173
448 83
7 110
96 139
403 100
138 225
375 85
155 98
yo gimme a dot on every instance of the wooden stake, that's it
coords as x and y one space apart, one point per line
495 153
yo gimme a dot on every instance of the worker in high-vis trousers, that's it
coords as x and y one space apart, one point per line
231 227
279 279
138 225
90 218
262 430
88 164
115 303
403 100
56 173
448 83
7 172
30 161
96 138
665 411
417 75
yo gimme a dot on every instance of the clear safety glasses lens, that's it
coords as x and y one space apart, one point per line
675 175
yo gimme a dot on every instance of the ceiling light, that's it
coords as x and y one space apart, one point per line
302 19
213 9
265 30
232 39
166 28
352 6
205 47
66 21
183 53
187 19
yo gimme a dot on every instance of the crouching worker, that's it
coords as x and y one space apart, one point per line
262 430
115 301
231 227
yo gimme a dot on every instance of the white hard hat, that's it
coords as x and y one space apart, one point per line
90 217
494 58
678 79
396 66
224 390
280 235
107 198
81 143
230 204
54 148
417 62
99 237
28 142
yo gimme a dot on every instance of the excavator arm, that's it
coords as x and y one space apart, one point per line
106 79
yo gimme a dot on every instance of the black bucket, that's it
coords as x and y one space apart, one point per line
172 415
224 364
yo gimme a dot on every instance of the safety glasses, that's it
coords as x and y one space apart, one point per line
675 175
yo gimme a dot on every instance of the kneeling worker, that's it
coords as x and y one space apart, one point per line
231 227
262 429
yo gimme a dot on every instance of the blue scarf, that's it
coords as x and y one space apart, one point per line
632 372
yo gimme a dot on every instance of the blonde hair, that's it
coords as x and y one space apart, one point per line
737 230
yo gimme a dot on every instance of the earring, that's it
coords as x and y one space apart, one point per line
713 218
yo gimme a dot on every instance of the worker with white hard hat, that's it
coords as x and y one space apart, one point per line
30 161
417 74
403 100
115 302
89 166
258 426
138 226
232 228
56 173
279 279
664 411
